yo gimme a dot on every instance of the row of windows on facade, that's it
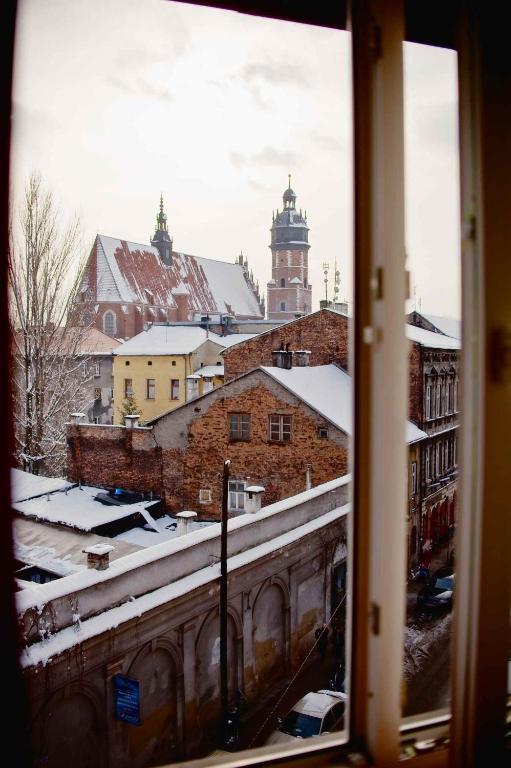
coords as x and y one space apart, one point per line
440 458
279 427
441 398
192 388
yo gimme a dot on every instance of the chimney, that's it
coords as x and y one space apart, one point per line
302 358
76 418
184 521
131 420
253 498
308 477
282 358
98 556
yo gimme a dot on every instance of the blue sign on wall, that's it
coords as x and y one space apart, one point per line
127 699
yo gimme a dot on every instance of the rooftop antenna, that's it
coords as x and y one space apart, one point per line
326 267
337 282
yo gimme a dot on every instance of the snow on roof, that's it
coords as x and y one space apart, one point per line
431 339
44 651
235 338
167 529
295 280
76 508
327 389
167 340
24 485
211 370
229 287
447 325
58 549
127 271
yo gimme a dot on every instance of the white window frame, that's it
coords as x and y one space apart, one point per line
236 495
277 426
438 399
428 402
447 397
97 369
205 496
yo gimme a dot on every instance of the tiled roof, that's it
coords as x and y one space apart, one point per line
134 272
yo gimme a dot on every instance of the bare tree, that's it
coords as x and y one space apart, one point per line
50 371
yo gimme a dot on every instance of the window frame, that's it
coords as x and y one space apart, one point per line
237 435
485 195
126 387
236 507
172 389
150 387
281 432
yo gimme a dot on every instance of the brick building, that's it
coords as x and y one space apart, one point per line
283 429
127 285
324 333
434 408
289 290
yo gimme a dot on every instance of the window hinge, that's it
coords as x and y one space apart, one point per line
375 618
377 283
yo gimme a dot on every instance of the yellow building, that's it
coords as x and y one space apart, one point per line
164 367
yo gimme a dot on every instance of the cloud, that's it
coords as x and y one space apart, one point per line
269 156
276 73
325 141
142 88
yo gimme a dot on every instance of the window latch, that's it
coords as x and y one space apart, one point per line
375 618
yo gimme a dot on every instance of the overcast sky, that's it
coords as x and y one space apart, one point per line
117 101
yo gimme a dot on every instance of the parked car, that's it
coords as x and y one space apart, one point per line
438 593
314 715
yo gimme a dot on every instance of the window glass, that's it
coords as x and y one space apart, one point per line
239 426
434 333
174 389
151 389
236 495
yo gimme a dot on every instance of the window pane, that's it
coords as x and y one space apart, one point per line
434 333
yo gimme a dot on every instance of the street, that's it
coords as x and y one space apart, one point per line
425 669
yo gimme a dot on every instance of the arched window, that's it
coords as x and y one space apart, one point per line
282 282
282 306
109 323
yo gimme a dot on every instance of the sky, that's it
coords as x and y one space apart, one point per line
118 101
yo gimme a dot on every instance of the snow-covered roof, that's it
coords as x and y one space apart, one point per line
295 280
167 340
175 340
167 529
211 370
235 338
58 549
132 272
27 486
431 339
328 390
76 508
448 325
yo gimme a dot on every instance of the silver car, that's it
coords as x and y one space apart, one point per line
314 715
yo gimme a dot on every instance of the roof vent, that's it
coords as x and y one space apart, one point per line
98 556
253 498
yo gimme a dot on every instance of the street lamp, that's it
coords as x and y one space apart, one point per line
224 693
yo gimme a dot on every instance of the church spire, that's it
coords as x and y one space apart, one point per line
161 238
161 218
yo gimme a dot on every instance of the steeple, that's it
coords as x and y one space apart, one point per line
289 290
161 238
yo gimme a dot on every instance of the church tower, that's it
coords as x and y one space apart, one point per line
161 238
289 290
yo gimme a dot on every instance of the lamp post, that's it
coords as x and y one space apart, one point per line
224 693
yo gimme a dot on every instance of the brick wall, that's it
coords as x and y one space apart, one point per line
114 456
186 450
324 332
280 468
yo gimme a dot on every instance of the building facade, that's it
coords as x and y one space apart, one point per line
127 285
434 407
164 367
289 289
